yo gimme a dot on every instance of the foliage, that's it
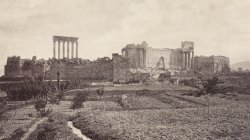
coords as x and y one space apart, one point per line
40 106
190 82
209 85
133 81
103 60
164 76
100 92
78 99
22 91
18 133
116 82
47 132
55 97
76 61
3 108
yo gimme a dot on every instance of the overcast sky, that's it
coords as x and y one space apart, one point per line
219 27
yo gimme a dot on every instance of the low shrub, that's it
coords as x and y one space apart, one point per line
48 132
40 106
100 92
78 99
18 133
189 82
3 108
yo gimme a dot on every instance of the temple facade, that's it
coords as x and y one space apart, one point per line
142 56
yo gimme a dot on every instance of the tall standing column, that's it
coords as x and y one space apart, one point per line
144 58
59 42
123 53
183 59
192 64
72 50
63 49
189 61
76 49
67 49
54 49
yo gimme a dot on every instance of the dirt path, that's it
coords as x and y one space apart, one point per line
185 99
32 128
76 131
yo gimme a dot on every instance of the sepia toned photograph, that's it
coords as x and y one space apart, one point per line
124 70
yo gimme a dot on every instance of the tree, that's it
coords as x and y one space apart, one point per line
209 86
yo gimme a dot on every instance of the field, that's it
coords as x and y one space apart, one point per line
152 111
168 115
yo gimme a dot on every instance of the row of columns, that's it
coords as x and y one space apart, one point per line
188 59
63 42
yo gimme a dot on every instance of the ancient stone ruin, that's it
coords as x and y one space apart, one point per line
137 61
69 41
143 57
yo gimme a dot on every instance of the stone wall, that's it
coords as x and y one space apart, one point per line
17 67
14 68
176 60
142 56
136 54
121 66
211 64
158 58
90 71
221 64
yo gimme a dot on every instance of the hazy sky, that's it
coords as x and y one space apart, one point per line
219 27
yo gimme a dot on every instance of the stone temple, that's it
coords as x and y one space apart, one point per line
144 57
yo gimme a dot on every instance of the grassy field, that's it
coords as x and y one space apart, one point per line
165 114
153 111
15 119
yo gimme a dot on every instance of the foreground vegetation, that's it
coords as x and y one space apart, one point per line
152 111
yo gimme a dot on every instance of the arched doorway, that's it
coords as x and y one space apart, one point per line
160 63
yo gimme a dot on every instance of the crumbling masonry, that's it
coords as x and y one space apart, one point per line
136 61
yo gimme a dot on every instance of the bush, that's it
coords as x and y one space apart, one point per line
47 133
78 99
189 82
3 108
164 77
123 101
40 106
209 86
100 92
133 81
25 90
18 133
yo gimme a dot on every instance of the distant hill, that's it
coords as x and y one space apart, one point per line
244 65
